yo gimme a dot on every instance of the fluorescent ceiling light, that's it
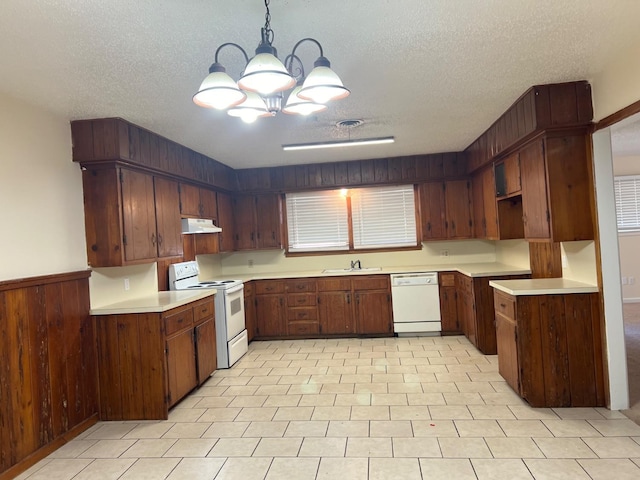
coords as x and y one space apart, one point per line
345 143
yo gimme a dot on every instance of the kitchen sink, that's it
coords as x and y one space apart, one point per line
351 270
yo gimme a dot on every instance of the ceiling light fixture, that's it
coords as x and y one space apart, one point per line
345 143
259 91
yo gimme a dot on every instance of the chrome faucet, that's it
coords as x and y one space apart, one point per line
355 264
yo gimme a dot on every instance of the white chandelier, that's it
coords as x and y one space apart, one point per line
259 91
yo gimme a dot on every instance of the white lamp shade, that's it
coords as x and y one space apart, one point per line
323 85
265 74
251 109
219 91
299 106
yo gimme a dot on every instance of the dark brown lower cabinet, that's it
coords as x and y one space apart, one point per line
450 320
148 362
335 312
271 318
549 348
250 310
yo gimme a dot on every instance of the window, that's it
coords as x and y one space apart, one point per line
627 196
381 217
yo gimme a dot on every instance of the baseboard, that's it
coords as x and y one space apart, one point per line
631 300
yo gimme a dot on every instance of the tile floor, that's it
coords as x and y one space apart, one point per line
376 409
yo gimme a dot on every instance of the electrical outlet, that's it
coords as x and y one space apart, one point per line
444 253
126 284
250 263
565 263
632 280
624 281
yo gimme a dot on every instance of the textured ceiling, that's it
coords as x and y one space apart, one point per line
433 73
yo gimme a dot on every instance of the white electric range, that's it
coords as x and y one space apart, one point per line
231 333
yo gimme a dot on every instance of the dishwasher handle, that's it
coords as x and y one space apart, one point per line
409 279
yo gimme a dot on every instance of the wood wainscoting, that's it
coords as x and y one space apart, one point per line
48 381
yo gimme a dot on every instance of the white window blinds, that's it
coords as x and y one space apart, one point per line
627 196
383 217
317 221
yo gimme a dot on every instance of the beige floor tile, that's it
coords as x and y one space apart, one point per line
278 447
282 401
351 468
150 468
108 448
565 448
245 469
616 428
394 468
73 448
449 412
287 371
307 429
273 389
196 469
186 415
348 428
404 387
611 414
513 447
234 447
485 377
326 400
304 389
478 428
614 447
434 428
219 415
60 468
463 399
371 387
420 378
266 429
602 469
433 369
389 399
337 388
436 387
443 361
554 469
342 370
323 447
586 413
214 402
416 447
371 370
187 430
225 430
191 447
525 428
452 377
248 401
293 468
502 398
110 431
409 413
464 448
294 380
369 447
387 378
240 390
234 381
188 402
501 386
401 368
475 387
331 413
365 412
491 412
415 399
463 368
324 379
214 391
447 469
256 414
355 378
391 428
523 412
322 370
270 380
104 469
571 428
345 355
155 447
357 362
353 399
332 362
500 469
293 413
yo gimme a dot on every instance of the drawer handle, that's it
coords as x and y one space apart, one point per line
300 287
503 305
204 310
181 319
301 300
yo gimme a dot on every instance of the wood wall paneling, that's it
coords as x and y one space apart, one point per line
545 259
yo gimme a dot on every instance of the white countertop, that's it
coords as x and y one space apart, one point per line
158 302
469 269
542 286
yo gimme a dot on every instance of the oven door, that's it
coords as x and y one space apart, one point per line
234 310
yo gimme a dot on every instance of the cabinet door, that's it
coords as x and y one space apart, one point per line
535 208
169 228
190 200
206 355
506 331
249 311
335 312
374 312
244 215
181 363
268 221
458 209
489 204
512 174
208 204
225 221
270 319
138 216
448 307
432 211
479 221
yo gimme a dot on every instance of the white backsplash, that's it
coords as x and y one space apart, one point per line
579 261
107 285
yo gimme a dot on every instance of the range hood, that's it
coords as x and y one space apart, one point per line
199 225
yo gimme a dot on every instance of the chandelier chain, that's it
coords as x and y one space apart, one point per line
267 23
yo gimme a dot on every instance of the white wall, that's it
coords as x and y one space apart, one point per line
40 194
579 261
513 252
107 285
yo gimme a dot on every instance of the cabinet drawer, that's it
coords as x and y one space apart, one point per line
447 279
302 313
301 285
334 283
505 305
175 322
303 328
248 289
371 282
262 288
301 299
203 310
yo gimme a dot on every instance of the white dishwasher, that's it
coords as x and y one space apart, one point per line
416 303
